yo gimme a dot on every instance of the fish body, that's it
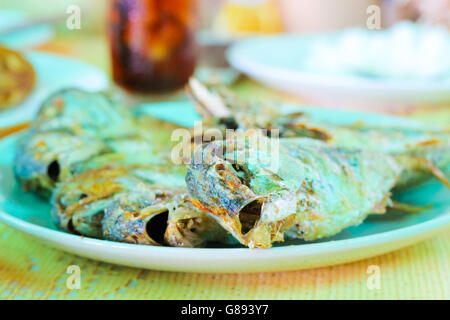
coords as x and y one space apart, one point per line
316 191
78 204
81 112
428 150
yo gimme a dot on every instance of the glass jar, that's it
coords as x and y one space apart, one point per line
152 43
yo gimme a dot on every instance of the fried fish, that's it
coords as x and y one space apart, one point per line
314 190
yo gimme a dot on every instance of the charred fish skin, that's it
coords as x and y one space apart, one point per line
317 190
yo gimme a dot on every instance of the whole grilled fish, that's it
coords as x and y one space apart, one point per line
315 191
76 130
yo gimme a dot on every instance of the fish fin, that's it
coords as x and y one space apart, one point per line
408 208
435 171
208 104
428 165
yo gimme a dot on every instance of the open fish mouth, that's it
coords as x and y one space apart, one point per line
167 219
114 204
135 222
249 215
82 204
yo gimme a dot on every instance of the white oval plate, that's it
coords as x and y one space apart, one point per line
53 72
280 62
377 235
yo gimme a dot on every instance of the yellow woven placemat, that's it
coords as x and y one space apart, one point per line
31 270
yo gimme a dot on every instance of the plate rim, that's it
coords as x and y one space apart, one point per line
440 222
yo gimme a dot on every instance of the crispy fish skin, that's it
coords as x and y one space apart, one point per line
90 131
70 127
44 158
82 112
426 153
128 218
78 204
316 192
115 204
109 172
75 131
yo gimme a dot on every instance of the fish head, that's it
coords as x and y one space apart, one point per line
189 227
79 204
44 158
230 180
159 216
139 217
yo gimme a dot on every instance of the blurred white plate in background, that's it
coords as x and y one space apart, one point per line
404 66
